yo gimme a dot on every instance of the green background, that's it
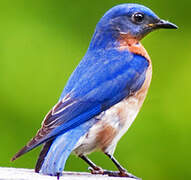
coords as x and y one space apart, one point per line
42 41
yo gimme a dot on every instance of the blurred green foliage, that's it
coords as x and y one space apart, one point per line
41 42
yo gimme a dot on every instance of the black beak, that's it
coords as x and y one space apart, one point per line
165 25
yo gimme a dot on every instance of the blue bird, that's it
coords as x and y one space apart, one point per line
102 96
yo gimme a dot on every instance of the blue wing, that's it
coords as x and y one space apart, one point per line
100 81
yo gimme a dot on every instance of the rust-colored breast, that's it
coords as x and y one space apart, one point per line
127 42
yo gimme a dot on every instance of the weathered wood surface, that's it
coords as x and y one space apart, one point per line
29 174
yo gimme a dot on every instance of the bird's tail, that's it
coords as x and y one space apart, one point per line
54 154
42 155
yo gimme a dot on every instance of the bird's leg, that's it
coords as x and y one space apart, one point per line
98 170
122 171
117 164
93 167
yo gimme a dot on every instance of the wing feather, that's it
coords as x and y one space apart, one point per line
95 91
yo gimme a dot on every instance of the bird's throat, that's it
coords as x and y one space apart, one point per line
132 44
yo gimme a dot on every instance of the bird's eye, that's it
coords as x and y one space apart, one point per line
138 17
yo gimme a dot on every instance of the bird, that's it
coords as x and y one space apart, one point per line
103 94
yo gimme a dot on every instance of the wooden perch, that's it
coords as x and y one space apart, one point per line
29 174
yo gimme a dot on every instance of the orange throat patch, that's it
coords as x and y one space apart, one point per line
127 42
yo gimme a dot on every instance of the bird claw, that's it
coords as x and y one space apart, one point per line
124 173
120 174
96 170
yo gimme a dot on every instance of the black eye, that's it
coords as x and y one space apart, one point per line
138 17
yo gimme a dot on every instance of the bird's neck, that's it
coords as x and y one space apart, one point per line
103 39
122 42
132 44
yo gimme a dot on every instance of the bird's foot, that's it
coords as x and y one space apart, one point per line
123 173
96 170
120 174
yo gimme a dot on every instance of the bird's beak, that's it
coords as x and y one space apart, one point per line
162 24
166 25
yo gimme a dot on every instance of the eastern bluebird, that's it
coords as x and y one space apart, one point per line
103 95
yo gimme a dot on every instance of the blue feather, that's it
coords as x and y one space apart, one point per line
62 147
95 86
105 76
104 84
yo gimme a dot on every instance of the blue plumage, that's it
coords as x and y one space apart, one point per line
62 147
91 92
114 68
121 74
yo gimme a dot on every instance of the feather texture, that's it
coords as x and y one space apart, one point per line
89 92
105 92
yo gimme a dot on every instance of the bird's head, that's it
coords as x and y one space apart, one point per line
133 20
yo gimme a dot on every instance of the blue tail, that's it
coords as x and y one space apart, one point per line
60 149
